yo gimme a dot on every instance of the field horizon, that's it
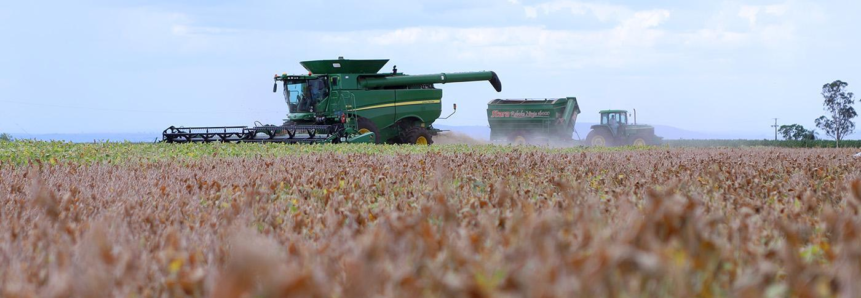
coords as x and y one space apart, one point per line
480 133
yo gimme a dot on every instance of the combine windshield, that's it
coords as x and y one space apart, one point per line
303 95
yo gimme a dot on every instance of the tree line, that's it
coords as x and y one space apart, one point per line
838 124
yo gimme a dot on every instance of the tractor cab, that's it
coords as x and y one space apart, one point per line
615 120
617 116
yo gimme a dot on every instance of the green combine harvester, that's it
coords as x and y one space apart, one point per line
347 101
614 130
528 121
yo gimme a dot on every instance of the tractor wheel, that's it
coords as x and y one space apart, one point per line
366 126
418 136
640 140
600 138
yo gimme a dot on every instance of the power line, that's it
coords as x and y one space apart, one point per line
22 129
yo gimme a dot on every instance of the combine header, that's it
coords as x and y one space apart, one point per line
260 133
346 101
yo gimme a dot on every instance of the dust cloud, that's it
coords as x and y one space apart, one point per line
450 137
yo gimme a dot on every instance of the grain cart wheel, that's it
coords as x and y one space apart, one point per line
418 136
517 138
366 126
600 138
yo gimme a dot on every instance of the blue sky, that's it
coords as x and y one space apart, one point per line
140 66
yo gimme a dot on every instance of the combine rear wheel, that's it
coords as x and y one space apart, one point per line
417 136
600 138
366 126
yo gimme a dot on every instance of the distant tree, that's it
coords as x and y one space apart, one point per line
796 132
5 137
839 103
809 135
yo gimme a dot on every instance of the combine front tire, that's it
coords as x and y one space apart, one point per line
600 138
418 136
366 126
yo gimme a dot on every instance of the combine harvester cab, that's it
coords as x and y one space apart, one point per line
532 121
347 101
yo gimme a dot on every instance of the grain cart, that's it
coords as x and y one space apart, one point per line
614 130
534 121
347 101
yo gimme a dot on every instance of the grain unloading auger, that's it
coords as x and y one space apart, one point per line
346 101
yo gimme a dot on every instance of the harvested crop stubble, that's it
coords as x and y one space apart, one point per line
678 222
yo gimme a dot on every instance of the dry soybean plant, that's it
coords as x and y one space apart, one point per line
753 222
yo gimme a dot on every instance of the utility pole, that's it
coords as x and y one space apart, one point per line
775 129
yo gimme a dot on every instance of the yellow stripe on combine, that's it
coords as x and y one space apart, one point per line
397 104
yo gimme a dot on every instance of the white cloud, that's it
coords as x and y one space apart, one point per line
531 12
713 38
647 19
602 12
641 27
777 10
620 45
633 37
636 37
636 31
159 31
751 12
186 30
412 36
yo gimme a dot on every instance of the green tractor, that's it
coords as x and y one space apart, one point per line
614 130
350 101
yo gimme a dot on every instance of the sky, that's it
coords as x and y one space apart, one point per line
140 66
